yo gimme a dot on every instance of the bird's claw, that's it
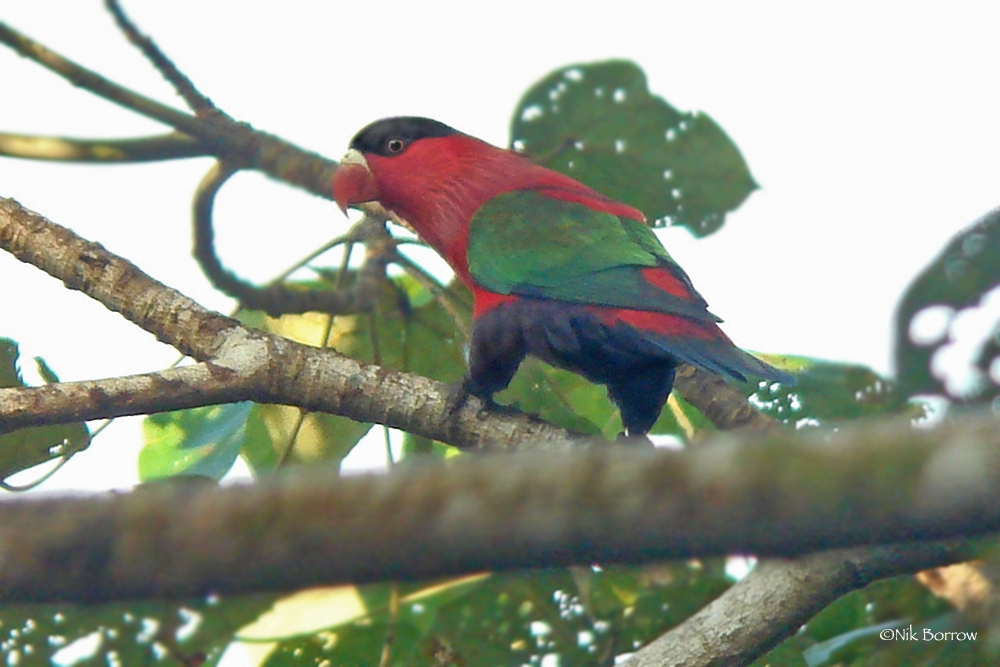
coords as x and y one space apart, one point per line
458 395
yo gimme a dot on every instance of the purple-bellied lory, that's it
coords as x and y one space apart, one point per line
556 270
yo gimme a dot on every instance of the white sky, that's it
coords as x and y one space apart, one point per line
872 128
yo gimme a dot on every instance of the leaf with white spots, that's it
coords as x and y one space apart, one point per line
28 447
600 124
948 323
828 393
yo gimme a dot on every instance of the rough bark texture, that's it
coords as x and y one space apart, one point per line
777 598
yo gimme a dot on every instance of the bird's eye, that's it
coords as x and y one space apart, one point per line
395 145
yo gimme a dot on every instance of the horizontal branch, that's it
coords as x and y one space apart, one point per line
776 493
171 389
106 151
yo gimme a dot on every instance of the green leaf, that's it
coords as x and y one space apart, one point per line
417 446
259 449
962 281
787 654
517 618
844 615
420 607
409 331
670 422
830 392
47 374
28 447
317 437
561 397
821 653
201 441
128 631
600 124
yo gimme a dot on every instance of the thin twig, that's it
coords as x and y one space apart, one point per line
197 102
91 81
20 488
274 299
390 627
440 293
326 247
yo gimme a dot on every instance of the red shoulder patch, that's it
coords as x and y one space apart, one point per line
664 278
663 323
484 301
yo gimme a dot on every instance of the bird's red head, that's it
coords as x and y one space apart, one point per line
353 181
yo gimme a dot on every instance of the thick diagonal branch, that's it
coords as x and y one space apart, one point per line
778 597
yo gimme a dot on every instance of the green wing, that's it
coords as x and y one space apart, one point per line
529 244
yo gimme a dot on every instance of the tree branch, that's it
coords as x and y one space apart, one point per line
104 151
223 137
171 389
719 401
776 493
778 597
197 102
276 299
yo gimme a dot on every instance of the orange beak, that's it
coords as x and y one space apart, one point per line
353 182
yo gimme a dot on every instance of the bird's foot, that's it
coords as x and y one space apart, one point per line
459 393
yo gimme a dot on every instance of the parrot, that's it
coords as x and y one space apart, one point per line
557 270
